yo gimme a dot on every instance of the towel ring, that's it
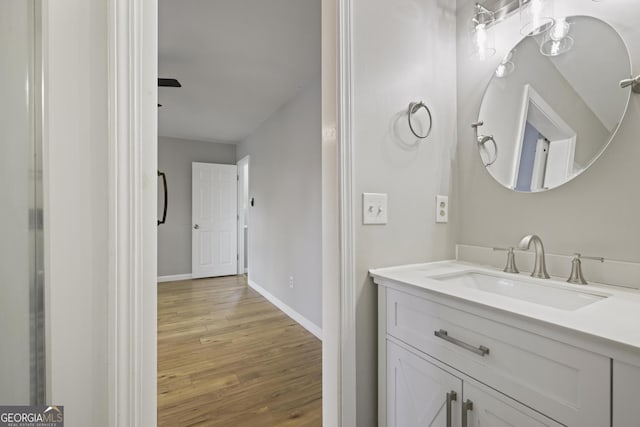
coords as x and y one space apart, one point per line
482 140
414 107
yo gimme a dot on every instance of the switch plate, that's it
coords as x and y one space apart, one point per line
442 209
374 208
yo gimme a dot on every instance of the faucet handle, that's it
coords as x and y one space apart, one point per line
595 258
576 268
510 267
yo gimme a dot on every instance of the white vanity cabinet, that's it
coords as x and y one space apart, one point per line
419 394
511 376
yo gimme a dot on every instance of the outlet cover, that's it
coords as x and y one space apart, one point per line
442 209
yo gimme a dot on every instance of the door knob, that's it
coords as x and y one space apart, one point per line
196 226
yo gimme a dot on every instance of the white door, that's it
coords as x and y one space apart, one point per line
214 220
492 409
418 392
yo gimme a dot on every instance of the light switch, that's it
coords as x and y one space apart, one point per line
374 208
442 209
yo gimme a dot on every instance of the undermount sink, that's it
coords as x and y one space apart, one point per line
522 289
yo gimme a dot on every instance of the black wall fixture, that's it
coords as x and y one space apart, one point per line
168 82
166 198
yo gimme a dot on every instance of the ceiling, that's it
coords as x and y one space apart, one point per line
238 61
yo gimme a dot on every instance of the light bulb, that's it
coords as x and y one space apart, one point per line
557 40
506 67
501 70
560 29
482 43
536 16
481 40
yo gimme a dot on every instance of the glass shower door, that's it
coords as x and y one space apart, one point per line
21 222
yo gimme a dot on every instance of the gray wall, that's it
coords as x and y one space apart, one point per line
403 52
174 158
285 226
596 213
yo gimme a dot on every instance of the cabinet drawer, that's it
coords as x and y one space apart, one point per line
568 384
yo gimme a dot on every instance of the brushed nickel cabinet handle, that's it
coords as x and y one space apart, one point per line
466 407
481 350
451 397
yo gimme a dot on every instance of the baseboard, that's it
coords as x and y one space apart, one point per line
175 278
303 321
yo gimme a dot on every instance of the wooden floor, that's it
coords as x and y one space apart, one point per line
227 357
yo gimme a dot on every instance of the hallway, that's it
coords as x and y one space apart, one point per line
227 357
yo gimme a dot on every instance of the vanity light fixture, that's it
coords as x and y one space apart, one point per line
536 16
557 41
483 43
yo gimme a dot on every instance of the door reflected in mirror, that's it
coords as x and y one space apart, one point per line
554 104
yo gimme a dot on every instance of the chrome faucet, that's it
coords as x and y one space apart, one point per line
540 268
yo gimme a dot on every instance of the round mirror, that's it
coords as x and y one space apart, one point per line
553 104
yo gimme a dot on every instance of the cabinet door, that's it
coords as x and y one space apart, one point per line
417 392
487 408
626 402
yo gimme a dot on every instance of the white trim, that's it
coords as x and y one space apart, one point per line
175 278
132 372
347 226
132 301
299 318
531 96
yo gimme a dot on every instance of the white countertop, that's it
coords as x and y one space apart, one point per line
615 318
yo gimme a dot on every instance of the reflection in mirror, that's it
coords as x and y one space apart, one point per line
553 104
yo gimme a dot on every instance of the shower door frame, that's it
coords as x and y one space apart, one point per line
37 217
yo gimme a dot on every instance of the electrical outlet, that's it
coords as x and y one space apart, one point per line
291 282
442 209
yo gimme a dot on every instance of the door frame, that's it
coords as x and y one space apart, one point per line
132 212
242 212
132 27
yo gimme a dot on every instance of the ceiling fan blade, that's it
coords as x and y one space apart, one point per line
168 83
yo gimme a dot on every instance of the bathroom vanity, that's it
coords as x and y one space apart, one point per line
465 345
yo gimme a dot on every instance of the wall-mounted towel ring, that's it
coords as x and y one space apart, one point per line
481 140
414 107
